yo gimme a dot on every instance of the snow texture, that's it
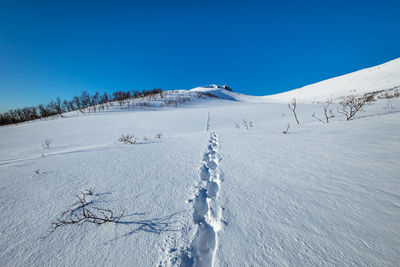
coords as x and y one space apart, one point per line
208 193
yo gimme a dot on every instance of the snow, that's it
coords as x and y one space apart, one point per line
207 193
381 77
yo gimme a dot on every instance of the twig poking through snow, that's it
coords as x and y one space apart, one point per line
287 129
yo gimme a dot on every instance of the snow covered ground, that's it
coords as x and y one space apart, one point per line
381 77
206 192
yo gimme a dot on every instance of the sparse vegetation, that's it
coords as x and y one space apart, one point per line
36 173
287 129
327 112
83 211
389 105
350 105
84 102
388 93
47 143
245 124
127 139
292 106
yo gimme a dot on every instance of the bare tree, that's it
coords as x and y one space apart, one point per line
287 129
59 106
350 105
292 106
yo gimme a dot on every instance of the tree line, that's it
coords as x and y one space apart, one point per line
58 106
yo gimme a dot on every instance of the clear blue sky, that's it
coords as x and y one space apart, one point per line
57 48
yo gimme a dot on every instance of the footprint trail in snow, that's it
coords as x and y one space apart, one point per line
207 211
200 250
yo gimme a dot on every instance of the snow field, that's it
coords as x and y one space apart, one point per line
207 193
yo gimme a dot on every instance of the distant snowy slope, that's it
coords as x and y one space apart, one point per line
381 77
376 78
226 94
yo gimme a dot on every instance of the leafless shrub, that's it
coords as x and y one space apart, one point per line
88 192
237 126
158 136
315 117
292 106
209 95
388 105
287 129
350 105
101 106
251 124
245 124
327 112
47 143
145 138
82 211
389 93
127 139
36 173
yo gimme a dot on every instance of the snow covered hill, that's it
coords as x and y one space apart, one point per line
209 182
377 78
381 77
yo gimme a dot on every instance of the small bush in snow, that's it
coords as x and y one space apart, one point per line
350 105
245 124
127 139
389 105
47 143
327 113
83 211
158 136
